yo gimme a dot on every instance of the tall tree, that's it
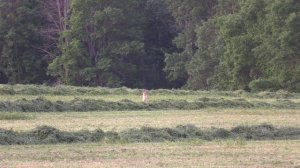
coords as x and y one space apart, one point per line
278 55
55 13
116 43
19 25
203 66
247 41
188 14
158 32
103 42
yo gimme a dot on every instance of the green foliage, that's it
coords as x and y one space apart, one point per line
100 36
244 41
195 44
158 32
202 67
263 85
188 15
21 61
115 44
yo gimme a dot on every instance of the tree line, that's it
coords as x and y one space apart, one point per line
196 44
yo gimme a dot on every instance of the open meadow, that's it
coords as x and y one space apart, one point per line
67 126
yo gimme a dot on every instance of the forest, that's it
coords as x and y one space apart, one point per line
251 45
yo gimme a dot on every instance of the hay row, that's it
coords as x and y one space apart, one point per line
50 135
82 105
96 91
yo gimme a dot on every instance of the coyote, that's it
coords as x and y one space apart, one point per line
145 96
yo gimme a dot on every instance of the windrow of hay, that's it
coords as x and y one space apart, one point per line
62 90
81 105
50 135
94 91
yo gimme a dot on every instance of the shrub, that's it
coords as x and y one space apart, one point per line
296 88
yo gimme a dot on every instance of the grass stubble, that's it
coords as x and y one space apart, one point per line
228 153
121 120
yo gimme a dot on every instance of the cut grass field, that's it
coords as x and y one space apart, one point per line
228 153
188 153
14 116
118 121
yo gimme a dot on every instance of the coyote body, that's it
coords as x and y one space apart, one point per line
145 96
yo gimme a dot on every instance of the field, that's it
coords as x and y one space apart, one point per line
67 126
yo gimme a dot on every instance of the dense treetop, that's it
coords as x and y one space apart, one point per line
196 44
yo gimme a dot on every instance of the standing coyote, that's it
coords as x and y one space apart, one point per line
145 96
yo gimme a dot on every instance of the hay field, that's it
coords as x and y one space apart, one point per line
122 120
228 153
238 150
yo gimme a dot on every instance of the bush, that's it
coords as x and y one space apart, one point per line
264 85
296 88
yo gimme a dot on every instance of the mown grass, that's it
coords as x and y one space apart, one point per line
219 109
51 135
15 116
43 105
121 120
39 98
228 153
98 91
136 97
113 97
